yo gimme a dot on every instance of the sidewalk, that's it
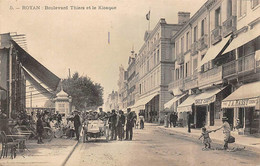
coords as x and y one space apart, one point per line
52 153
218 137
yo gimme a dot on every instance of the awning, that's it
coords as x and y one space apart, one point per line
216 50
171 102
176 91
186 106
140 104
245 96
207 97
36 68
37 85
242 39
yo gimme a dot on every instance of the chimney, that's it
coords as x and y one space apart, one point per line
183 17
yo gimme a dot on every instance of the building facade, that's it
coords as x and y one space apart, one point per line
154 67
131 80
122 89
112 102
217 53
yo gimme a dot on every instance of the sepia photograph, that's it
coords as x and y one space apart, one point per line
129 82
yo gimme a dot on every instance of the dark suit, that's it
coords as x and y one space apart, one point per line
77 124
112 122
129 125
120 126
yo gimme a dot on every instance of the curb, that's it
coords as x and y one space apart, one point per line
72 150
255 149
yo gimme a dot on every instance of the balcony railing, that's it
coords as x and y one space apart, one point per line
230 25
216 35
211 76
180 58
241 65
194 48
178 83
203 42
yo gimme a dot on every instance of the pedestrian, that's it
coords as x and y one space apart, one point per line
141 117
120 124
172 120
129 124
226 131
166 120
175 118
39 129
206 139
77 124
189 118
112 123
71 128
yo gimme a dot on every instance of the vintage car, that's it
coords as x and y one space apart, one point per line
95 129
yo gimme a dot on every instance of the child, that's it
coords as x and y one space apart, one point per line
206 138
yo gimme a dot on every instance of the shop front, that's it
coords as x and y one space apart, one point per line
149 106
185 107
244 104
208 107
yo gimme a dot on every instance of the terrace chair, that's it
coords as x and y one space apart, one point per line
8 143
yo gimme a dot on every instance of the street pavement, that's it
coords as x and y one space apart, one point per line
154 146
53 153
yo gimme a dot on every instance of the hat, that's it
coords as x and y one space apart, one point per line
224 118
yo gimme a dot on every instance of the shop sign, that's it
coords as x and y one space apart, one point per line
184 109
205 101
240 103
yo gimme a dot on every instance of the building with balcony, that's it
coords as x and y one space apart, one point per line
223 57
131 80
154 67
122 89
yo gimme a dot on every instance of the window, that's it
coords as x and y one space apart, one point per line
187 41
177 74
217 18
147 66
195 64
177 47
186 69
254 3
202 27
229 8
195 33
181 71
182 44
154 59
158 56
242 8
140 88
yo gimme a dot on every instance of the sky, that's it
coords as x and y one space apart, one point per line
78 39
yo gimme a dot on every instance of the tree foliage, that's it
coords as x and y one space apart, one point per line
84 92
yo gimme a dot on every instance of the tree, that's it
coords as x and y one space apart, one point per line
84 92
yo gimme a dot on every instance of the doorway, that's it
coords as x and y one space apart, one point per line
201 116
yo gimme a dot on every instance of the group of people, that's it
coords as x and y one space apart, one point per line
118 121
226 131
171 119
73 124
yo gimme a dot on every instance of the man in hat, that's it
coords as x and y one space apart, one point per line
39 129
112 124
77 124
129 124
120 123
226 131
